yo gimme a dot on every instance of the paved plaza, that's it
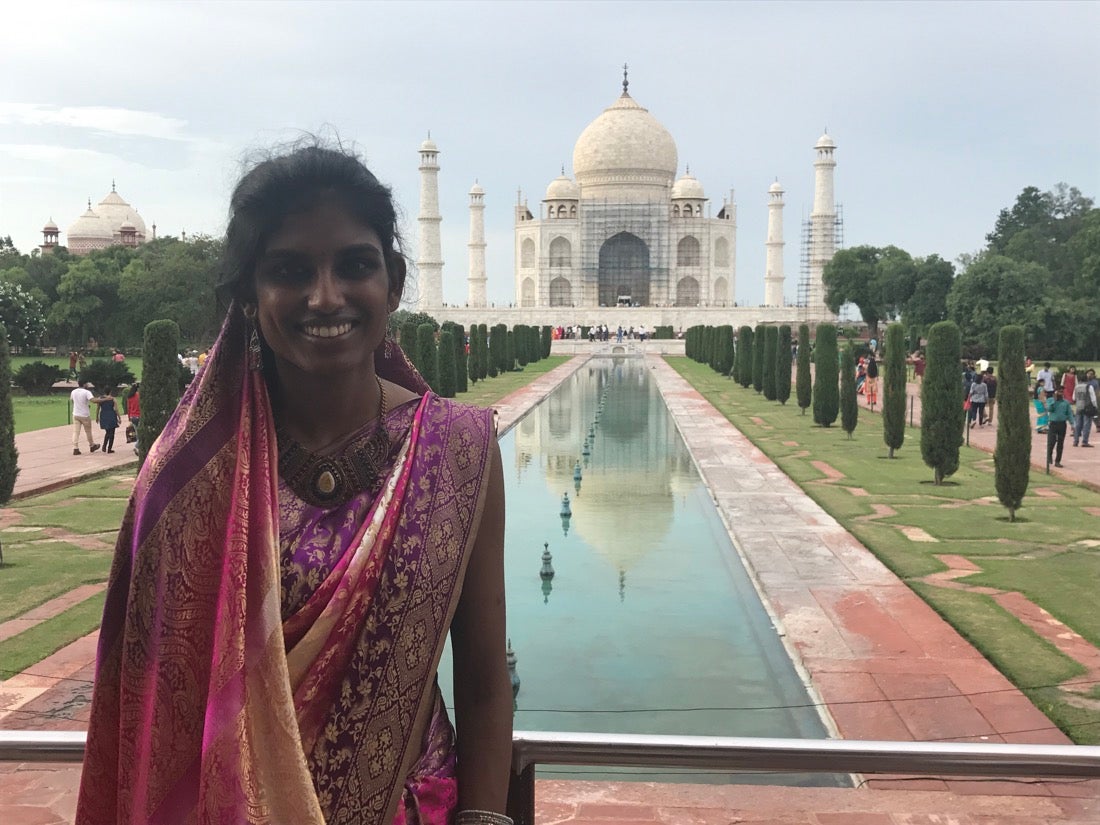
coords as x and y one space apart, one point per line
882 663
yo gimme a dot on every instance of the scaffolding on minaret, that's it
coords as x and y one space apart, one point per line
806 252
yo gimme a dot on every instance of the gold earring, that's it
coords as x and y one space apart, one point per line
254 350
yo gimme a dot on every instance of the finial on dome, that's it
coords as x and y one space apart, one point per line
626 82
563 170
112 184
89 202
687 168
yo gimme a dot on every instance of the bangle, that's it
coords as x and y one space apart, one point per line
470 817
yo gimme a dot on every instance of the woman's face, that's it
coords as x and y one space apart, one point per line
323 293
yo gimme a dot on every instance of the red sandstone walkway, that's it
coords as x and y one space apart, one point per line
883 662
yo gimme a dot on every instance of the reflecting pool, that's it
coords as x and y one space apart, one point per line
650 623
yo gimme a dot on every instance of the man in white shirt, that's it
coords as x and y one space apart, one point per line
82 417
1046 378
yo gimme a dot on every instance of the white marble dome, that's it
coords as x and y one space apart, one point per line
50 226
562 188
776 187
476 189
89 226
429 146
688 187
825 142
626 153
115 212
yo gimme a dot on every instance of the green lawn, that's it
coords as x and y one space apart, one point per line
1047 555
487 392
37 412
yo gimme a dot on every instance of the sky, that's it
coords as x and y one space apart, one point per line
942 112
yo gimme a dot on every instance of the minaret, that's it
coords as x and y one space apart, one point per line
773 276
823 226
430 262
476 295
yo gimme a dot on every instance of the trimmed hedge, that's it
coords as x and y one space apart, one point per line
893 389
9 455
849 408
771 346
160 381
826 390
783 365
803 380
427 360
942 417
446 379
1012 457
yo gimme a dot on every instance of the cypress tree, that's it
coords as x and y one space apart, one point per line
491 349
893 389
713 348
509 351
519 338
826 392
771 346
9 455
547 341
746 356
803 379
473 369
1012 457
758 358
534 345
783 365
504 363
447 366
426 356
482 351
408 340
460 359
942 420
160 381
849 409
727 349
735 372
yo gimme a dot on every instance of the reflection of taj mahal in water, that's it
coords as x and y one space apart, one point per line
630 435
626 233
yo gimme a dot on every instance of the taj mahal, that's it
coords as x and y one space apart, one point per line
624 240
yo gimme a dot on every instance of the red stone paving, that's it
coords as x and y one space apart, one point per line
886 666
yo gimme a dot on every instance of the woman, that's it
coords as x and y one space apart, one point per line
285 580
108 419
133 412
979 395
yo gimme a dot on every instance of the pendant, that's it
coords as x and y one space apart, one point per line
326 483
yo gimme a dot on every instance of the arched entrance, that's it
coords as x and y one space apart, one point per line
624 270
687 292
527 293
561 293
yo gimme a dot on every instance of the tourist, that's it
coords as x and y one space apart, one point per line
1084 408
82 399
108 419
871 384
1059 415
1046 378
1069 382
72 365
918 367
978 397
286 579
990 381
117 356
133 412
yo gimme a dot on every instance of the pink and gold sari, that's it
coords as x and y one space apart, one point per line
222 697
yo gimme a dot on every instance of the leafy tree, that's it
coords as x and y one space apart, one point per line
803 379
913 341
941 426
927 303
758 358
826 391
87 293
994 292
849 408
783 365
771 346
399 318
21 315
1012 456
426 356
447 367
893 388
160 389
9 455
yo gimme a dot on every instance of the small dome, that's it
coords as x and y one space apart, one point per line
429 146
825 142
688 187
775 187
476 189
50 226
562 188
127 227
90 226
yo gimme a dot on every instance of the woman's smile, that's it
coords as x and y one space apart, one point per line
328 330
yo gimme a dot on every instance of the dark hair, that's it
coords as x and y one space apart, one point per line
292 183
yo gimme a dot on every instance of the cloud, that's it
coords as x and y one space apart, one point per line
104 119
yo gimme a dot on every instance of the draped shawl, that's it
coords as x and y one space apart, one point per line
206 708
